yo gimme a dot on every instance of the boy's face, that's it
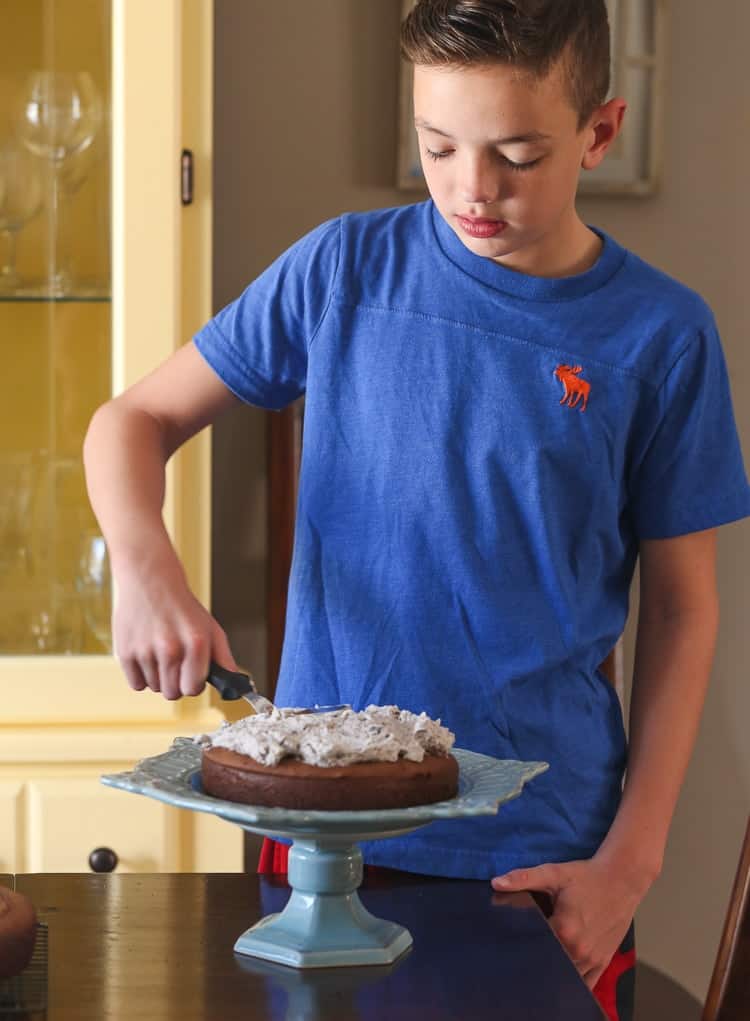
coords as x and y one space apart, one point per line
501 154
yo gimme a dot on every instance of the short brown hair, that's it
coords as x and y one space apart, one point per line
529 34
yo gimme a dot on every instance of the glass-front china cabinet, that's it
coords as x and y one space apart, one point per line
105 268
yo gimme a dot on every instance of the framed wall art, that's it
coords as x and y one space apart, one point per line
633 165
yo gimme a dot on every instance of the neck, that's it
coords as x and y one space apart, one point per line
573 250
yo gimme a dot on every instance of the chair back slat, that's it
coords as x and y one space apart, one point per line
728 997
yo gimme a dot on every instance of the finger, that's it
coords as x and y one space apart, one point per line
571 931
169 679
150 671
592 976
169 659
593 970
133 674
194 670
547 878
582 952
569 934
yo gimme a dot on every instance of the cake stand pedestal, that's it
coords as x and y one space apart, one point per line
324 923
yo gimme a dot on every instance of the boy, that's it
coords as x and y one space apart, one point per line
504 409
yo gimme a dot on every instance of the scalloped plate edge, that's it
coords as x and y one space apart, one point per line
145 779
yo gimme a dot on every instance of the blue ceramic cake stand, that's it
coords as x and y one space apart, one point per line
324 923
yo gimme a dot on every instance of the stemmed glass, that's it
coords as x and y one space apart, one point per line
20 200
61 113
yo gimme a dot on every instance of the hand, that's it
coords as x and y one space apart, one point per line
593 901
163 637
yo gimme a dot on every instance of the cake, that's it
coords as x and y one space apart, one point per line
381 757
18 926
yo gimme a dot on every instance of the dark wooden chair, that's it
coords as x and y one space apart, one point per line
728 997
283 452
659 998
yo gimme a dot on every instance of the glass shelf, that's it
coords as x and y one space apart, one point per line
82 294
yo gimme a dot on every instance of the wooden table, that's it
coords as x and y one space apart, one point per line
159 948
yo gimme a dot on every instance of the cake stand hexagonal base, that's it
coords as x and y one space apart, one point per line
358 940
324 924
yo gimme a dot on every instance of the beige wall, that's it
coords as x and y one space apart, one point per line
697 230
306 107
305 129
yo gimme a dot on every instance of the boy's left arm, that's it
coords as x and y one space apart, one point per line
595 900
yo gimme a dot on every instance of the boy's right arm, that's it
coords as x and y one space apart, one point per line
163 637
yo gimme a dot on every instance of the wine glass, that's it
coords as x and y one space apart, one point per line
60 116
20 200
21 485
94 586
39 618
76 169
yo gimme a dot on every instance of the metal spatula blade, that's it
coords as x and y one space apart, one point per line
232 685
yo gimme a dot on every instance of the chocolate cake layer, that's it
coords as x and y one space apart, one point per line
363 785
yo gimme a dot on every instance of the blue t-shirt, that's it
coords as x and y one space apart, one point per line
483 451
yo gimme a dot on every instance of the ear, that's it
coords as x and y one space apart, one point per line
602 130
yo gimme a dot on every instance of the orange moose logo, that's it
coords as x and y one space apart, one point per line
575 388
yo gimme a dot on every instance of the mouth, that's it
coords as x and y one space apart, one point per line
481 227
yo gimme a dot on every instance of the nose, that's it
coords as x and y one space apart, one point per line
479 181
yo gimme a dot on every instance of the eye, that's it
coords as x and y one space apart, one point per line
511 164
438 155
520 166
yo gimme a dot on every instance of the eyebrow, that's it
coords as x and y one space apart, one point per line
529 136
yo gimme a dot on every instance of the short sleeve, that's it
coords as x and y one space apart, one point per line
687 471
258 344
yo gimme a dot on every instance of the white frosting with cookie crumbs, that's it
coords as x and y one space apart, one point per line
339 738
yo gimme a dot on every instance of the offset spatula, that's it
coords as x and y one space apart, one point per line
232 685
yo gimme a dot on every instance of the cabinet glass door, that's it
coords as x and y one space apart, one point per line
55 320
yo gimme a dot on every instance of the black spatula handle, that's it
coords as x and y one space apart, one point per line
230 684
